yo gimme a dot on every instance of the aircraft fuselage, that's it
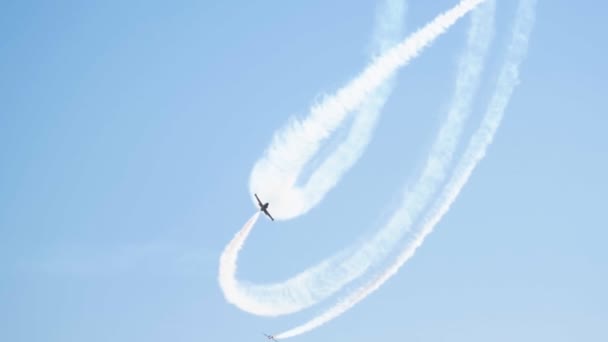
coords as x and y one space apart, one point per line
263 207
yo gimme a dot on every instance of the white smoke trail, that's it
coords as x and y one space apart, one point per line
476 150
228 261
326 278
274 176
320 281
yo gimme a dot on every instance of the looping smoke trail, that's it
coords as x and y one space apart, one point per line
275 175
320 281
317 283
476 150
295 293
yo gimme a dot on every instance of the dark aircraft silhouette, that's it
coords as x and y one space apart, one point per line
264 209
270 337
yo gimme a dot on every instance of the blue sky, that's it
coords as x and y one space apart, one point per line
128 132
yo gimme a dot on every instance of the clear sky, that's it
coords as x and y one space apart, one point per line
128 132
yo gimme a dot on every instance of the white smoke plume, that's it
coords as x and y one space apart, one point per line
320 281
317 283
276 174
475 151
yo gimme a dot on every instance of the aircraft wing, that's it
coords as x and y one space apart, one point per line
267 213
259 202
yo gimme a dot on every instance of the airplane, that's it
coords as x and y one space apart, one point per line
270 337
263 208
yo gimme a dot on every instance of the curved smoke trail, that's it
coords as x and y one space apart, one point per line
320 281
329 276
317 283
275 175
476 150
228 260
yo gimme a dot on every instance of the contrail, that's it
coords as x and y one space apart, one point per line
326 278
228 262
508 79
276 173
320 281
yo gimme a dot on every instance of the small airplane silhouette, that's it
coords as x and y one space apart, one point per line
270 337
264 209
